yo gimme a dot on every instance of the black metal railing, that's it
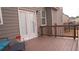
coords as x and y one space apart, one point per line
60 30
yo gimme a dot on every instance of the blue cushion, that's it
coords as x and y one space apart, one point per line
4 43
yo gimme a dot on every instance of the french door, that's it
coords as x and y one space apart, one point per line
27 24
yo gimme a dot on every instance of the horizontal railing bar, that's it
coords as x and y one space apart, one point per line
59 25
63 36
66 36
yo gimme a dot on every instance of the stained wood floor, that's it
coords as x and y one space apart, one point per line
49 43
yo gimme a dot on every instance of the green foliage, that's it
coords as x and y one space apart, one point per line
77 16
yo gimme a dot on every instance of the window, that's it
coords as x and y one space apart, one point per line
1 20
43 17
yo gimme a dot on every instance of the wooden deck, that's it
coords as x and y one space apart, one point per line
50 43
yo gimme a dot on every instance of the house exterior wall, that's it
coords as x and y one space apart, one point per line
72 19
54 19
65 19
57 19
54 16
49 20
60 16
57 16
10 27
77 20
60 30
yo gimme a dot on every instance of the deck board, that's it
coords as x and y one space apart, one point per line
49 43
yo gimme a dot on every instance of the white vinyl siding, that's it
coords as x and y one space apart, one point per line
1 20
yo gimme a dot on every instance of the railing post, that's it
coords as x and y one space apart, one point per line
55 30
41 30
74 32
77 31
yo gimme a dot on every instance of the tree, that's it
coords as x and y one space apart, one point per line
77 16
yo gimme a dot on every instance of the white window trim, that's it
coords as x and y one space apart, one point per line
1 17
45 19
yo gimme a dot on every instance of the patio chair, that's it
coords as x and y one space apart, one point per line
4 43
17 46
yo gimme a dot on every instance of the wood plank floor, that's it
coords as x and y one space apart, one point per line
49 43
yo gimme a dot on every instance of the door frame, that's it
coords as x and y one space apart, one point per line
35 21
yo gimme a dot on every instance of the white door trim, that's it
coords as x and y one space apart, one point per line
35 23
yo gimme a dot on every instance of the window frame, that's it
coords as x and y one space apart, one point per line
43 18
1 20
